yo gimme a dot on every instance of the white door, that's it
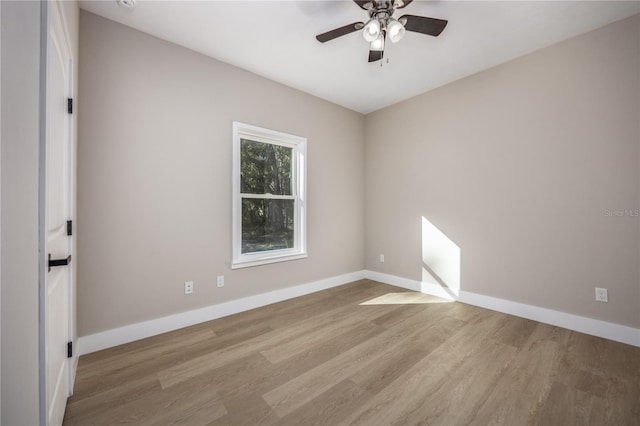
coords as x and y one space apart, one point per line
57 212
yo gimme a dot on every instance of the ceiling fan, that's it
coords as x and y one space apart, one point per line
381 24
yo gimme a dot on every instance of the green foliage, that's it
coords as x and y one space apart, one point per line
267 224
265 168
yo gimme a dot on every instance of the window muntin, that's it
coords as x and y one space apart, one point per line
268 196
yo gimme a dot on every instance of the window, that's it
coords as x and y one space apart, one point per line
269 214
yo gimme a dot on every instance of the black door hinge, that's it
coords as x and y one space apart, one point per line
70 105
69 227
69 349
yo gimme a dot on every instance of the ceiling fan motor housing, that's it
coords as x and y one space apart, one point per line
382 11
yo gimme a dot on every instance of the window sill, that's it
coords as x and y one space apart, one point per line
267 260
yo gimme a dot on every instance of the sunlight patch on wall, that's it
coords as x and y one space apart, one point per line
440 259
405 298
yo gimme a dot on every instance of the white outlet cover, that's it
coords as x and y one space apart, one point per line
188 287
601 295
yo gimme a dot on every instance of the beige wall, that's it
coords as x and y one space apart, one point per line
154 174
518 166
19 276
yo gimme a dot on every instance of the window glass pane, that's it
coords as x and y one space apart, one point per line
266 224
265 168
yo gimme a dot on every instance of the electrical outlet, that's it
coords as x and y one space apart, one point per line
601 295
220 280
188 287
382 258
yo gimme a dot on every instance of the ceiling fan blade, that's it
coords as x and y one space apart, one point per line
338 32
424 25
399 4
365 4
375 55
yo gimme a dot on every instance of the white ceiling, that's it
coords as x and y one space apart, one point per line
276 39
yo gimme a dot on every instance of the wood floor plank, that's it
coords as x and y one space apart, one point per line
300 342
330 407
457 399
275 375
365 353
193 405
406 394
82 408
603 369
622 401
514 331
532 373
566 405
282 313
212 360
140 364
603 357
574 377
391 318
145 345
392 364
246 410
309 385
140 355
351 296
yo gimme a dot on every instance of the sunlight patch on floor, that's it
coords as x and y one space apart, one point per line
405 298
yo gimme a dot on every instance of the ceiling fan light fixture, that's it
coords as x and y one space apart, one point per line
377 45
380 23
396 31
371 30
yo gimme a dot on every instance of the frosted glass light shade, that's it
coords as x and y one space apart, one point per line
378 44
371 31
396 31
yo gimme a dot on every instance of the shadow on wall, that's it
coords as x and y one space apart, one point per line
440 260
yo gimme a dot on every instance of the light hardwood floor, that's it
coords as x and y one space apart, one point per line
365 353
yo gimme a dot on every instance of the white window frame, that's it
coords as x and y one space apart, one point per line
298 145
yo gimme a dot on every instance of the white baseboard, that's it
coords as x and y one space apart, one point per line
607 330
129 333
